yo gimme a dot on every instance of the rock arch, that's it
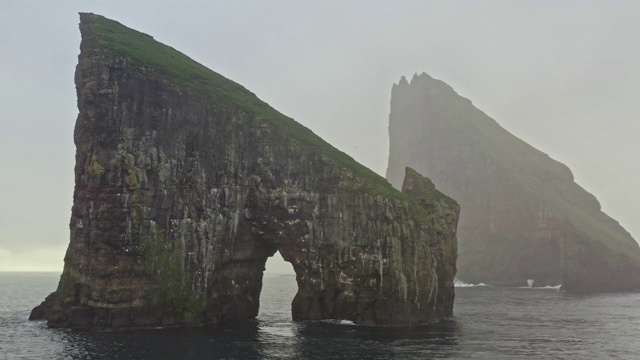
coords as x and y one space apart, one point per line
181 196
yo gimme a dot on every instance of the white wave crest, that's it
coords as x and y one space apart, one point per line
548 287
338 322
554 287
460 283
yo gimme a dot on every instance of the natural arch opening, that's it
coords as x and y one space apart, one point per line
279 287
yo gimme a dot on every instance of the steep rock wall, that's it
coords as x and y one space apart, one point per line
183 192
523 217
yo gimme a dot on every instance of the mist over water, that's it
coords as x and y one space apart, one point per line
553 75
489 323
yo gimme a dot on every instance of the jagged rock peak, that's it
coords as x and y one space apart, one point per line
422 77
420 83
186 182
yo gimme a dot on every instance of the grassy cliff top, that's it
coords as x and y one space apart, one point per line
168 64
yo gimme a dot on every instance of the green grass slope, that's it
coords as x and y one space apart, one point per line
166 63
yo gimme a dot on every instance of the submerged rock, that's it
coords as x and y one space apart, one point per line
186 183
523 216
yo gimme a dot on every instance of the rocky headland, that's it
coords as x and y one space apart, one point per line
185 183
523 217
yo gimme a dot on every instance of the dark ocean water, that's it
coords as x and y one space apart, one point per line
490 323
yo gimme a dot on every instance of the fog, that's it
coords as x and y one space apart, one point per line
563 76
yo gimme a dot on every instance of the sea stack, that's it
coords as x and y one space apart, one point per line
522 215
185 183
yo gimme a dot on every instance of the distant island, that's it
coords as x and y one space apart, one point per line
186 182
523 220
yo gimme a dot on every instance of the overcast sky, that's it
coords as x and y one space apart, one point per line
562 75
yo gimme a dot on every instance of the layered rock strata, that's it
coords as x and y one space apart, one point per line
186 183
523 216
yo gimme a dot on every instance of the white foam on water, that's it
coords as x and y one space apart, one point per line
338 322
460 283
548 287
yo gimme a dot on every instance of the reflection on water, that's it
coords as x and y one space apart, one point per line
256 340
490 323
271 336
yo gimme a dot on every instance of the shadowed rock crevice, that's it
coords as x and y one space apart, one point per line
186 183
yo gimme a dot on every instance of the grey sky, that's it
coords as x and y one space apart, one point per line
562 75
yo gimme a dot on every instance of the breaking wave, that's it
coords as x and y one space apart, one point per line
337 322
548 287
460 283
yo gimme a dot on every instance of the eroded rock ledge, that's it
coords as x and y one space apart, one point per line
186 183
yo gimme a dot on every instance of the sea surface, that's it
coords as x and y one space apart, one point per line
489 323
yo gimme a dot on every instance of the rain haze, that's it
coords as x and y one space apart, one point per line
563 76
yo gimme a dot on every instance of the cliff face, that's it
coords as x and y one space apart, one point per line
523 217
186 183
